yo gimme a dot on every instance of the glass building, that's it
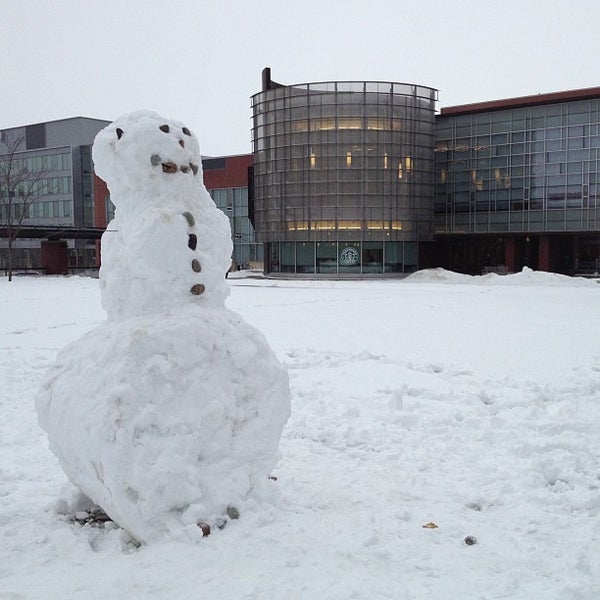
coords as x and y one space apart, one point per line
55 158
226 179
343 176
518 183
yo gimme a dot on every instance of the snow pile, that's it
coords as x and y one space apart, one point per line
533 278
525 277
168 416
438 275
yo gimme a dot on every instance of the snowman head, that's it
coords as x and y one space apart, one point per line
145 152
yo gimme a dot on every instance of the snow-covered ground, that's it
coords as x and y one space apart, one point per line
468 402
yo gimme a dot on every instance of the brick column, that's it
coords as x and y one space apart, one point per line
544 253
510 254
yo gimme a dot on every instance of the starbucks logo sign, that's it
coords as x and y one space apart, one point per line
349 256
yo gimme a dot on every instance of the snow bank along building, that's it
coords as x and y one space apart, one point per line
362 178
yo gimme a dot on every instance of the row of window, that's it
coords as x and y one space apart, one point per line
534 200
486 179
343 257
333 143
538 117
589 146
37 210
371 125
344 93
476 142
48 186
45 163
52 186
354 144
228 198
564 220
463 170
347 191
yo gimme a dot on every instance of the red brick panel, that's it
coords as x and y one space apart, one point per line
100 193
233 173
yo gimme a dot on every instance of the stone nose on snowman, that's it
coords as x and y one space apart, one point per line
171 167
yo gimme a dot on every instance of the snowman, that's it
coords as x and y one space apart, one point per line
168 415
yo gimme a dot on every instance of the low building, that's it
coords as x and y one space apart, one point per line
56 156
518 184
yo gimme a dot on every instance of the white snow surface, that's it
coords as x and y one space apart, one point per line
175 419
169 414
472 403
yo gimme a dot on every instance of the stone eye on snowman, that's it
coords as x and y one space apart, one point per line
168 414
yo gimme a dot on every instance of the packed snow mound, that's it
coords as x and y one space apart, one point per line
438 275
530 277
165 423
172 410
525 277
168 244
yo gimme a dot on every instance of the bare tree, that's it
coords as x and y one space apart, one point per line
20 187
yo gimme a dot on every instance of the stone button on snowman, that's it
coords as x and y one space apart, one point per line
168 415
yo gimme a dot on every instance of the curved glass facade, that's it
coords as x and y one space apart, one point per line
343 175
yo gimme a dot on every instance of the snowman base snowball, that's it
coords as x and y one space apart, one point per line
168 415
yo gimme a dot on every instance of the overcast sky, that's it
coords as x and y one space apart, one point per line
199 61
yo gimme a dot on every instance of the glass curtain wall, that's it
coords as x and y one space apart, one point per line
342 258
524 169
51 191
342 170
234 203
